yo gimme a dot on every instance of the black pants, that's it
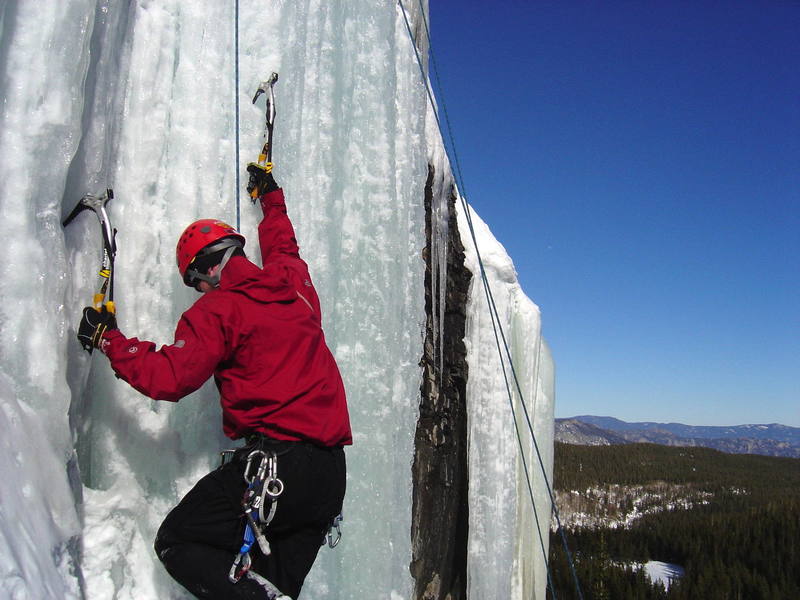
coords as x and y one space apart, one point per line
199 539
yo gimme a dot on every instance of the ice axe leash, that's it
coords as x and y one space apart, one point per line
264 162
97 204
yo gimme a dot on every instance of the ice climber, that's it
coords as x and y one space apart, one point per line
258 332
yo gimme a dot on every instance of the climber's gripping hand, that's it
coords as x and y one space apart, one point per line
261 180
93 325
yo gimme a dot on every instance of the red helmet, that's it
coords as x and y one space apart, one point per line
200 234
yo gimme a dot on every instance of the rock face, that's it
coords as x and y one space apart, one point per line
440 472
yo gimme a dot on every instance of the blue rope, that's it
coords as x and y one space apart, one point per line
236 98
493 307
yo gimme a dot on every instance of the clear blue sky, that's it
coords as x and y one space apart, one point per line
640 161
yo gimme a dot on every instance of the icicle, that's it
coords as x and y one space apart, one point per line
440 216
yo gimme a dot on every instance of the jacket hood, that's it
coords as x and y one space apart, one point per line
270 284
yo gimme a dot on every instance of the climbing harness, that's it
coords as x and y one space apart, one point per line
264 162
259 503
496 324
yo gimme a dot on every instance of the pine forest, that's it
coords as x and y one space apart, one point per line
731 522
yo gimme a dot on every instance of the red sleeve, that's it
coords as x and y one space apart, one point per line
279 246
275 232
173 371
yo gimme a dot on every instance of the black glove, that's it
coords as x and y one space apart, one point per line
261 180
93 325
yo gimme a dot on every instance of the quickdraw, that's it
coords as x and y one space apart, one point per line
263 489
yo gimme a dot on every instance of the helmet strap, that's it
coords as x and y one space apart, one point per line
213 280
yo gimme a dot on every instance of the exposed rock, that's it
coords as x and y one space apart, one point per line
440 471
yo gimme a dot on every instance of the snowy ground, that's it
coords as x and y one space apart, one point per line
661 572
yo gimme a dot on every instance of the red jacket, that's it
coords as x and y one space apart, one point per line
260 334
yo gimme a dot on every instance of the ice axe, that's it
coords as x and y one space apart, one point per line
265 157
97 204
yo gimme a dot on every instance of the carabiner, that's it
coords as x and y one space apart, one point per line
235 573
260 470
335 524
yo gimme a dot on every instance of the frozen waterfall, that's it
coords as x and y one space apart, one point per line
139 95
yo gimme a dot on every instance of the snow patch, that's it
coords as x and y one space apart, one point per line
661 572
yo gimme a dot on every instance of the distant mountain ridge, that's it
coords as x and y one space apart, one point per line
771 439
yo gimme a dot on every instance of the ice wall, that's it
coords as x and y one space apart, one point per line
140 96
510 403
42 67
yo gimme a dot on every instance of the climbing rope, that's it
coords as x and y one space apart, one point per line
236 104
496 324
